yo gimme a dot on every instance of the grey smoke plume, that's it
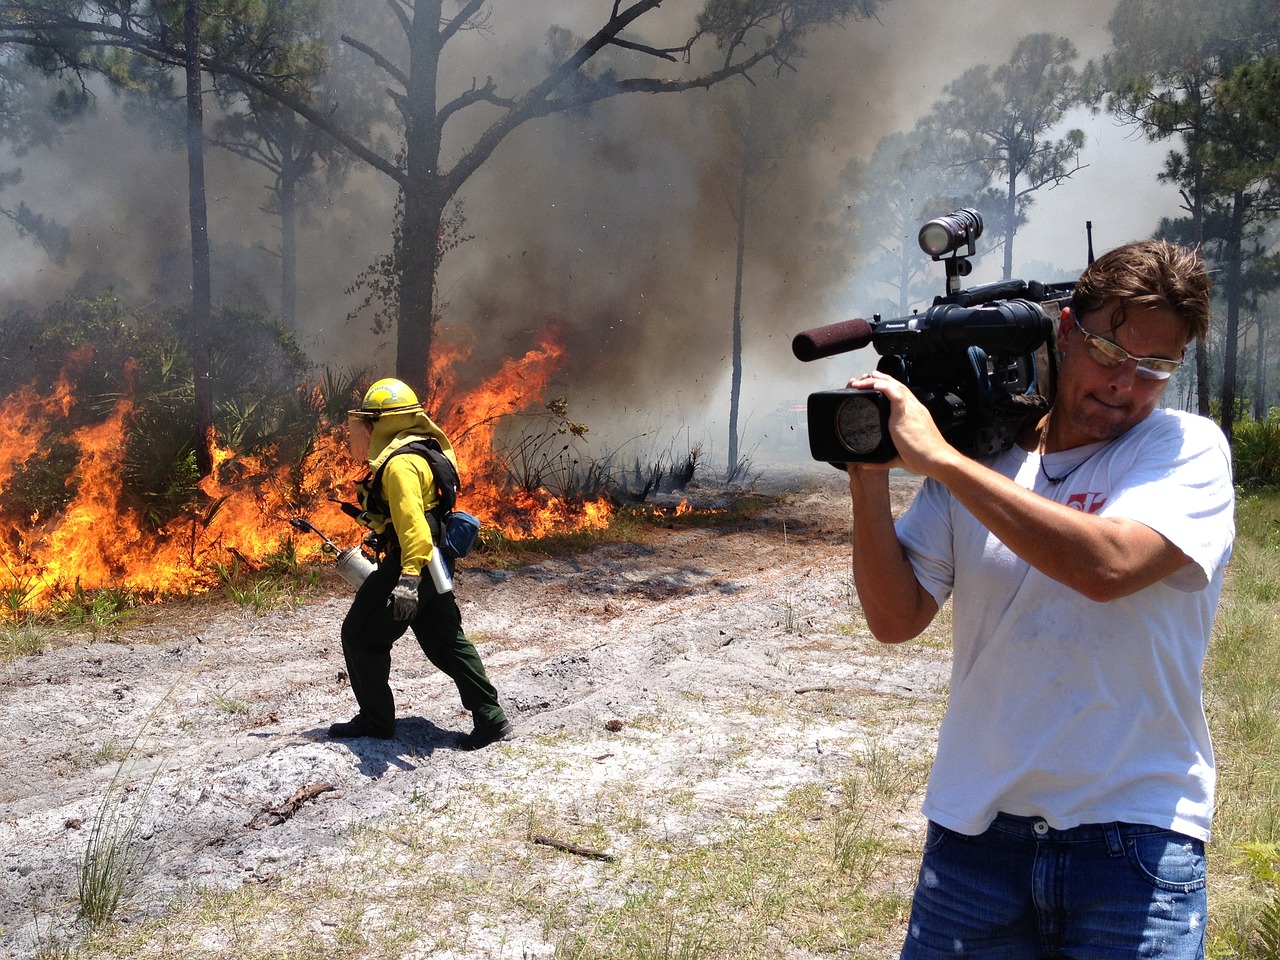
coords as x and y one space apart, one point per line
616 224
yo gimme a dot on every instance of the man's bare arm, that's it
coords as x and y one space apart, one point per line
1100 557
896 606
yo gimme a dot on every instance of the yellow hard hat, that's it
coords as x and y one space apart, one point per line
387 396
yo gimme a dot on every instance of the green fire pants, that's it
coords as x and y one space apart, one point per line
369 631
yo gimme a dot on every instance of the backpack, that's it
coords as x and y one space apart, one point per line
442 469
455 529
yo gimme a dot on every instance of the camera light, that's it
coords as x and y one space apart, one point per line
945 234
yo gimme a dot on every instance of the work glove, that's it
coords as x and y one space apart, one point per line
404 598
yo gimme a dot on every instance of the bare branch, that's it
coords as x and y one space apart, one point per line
463 17
309 113
540 100
396 73
248 151
401 102
589 852
486 94
667 54
398 10
603 37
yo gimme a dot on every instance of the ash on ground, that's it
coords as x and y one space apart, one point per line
202 726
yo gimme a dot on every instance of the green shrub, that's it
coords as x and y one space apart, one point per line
1255 452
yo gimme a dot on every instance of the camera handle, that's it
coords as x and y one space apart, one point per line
957 266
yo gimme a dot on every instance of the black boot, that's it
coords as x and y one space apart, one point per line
490 733
358 726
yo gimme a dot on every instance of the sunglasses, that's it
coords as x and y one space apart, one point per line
1112 355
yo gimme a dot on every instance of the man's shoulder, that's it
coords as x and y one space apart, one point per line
422 449
1179 437
1170 421
423 461
1173 418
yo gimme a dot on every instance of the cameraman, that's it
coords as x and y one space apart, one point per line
1072 790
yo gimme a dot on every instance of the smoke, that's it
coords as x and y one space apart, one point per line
617 226
121 189
622 224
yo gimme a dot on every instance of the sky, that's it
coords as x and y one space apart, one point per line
613 226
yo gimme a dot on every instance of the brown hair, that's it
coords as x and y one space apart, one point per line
1149 273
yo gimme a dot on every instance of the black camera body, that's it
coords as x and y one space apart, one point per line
970 358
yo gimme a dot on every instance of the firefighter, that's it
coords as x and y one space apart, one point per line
401 502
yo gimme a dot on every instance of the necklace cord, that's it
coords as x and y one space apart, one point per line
1055 480
1044 432
1040 452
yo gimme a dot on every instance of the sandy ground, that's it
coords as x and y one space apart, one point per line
220 714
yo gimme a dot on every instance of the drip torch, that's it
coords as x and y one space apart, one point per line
353 566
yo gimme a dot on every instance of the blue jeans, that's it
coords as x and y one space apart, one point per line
1022 890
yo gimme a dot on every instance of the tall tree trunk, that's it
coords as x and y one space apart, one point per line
735 380
420 259
1011 224
201 306
424 201
1259 356
1203 406
289 244
1230 346
1196 207
1261 407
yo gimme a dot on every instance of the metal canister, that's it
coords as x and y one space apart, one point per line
439 572
353 566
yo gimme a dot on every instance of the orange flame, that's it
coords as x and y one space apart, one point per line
99 541
518 513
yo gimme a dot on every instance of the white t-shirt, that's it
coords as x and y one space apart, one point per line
1062 707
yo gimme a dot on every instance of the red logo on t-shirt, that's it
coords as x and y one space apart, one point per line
1087 502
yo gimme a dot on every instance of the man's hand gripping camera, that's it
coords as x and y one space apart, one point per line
970 358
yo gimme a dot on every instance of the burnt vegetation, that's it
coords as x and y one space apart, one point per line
79 359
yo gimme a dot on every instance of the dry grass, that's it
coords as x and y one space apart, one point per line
711 855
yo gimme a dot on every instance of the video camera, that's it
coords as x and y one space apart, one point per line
970 358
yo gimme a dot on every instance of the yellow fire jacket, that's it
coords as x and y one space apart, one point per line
410 491
408 485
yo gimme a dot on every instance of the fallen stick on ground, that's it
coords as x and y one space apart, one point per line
274 816
574 848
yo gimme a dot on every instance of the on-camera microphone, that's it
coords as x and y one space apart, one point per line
832 339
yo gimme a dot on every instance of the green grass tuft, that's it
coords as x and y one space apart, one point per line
1242 700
